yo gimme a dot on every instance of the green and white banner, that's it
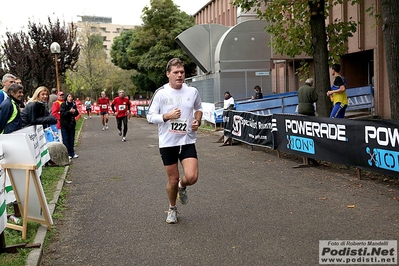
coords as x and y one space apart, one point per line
26 147
3 210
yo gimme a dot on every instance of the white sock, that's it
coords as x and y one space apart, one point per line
172 207
180 186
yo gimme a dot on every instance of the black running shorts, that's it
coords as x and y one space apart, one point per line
170 155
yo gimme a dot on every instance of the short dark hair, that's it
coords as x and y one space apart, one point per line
257 88
15 87
54 90
336 67
174 62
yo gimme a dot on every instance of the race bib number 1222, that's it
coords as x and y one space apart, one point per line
178 126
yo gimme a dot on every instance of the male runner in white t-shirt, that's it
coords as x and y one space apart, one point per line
177 109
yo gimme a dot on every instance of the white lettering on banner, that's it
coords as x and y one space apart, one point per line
315 129
265 126
249 123
252 123
384 136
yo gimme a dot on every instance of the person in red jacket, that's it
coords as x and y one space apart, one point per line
55 111
121 108
103 102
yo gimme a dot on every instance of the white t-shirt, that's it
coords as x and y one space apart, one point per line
174 132
228 102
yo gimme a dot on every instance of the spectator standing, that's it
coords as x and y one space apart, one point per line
55 111
7 80
78 102
258 92
19 81
68 112
88 106
36 110
228 102
338 93
177 109
103 102
307 96
22 103
121 108
52 98
10 117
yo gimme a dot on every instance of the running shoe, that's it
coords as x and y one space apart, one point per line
103 128
172 216
106 126
182 196
123 139
75 156
70 157
120 133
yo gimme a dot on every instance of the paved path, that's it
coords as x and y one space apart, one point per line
248 208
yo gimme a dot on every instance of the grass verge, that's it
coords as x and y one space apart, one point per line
49 179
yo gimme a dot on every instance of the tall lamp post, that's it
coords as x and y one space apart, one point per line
56 49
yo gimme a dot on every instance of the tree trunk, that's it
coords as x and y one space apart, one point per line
390 26
320 56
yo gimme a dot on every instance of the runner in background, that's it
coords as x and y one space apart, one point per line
88 106
121 108
103 102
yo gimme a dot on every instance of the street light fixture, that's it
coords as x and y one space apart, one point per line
56 49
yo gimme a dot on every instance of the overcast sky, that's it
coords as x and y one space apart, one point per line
16 15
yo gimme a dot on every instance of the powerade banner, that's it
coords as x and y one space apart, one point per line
368 144
249 128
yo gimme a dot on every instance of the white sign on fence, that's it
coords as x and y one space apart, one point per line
3 210
26 147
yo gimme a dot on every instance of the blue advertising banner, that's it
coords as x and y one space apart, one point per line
368 144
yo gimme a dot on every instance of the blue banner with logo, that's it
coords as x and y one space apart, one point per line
368 144
372 145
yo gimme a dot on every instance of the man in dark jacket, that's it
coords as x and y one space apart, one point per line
307 96
7 80
10 118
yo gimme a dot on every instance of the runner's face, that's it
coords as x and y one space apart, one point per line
121 94
176 76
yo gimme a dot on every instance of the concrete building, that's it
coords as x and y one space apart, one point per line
103 26
364 63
